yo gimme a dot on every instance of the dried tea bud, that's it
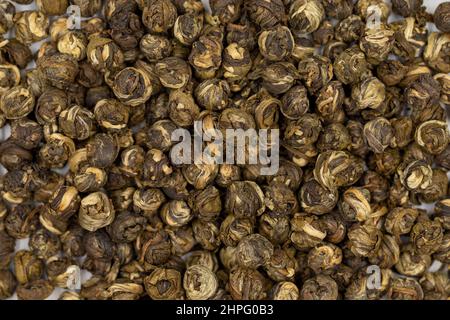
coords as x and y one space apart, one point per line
369 93
315 72
416 175
50 104
254 251
379 134
102 150
391 72
244 199
288 173
52 8
304 131
333 49
329 102
305 15
334 226
148 201
58 28
73 43
324 34
227 11
163 284
27 267
155 47
206 56
88 8
399 221
104 53
7 248
26 133
199 283
156 169
433 136
159 16
358 288
350 29
441 17
44 244
15 52
246 284
444 82
35 290
227 174
406 8
280 200
276 43
17 103
64 202
89 179
423 92
282 265
132 86
173 72
200 175
338 9
415 152
183 110
337 169
77 123
7 12
426 236
8 284
377 43
437 189
213 94
434 285
206 203
264 13
188 28
56 151
387 255
324 257
334 137
351 66
405 289
317 199
176 213
207 234
411 263
403 129
182 239
59 69
285 290
320 287
237 62
31 26
295 102
9 77
364 239
355 204
307 231
233 229
366 8
96 211
436 51
126 227
126 31
386 163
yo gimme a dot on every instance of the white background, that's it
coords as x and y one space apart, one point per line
4 132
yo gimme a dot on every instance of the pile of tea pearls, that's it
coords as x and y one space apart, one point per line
358 99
